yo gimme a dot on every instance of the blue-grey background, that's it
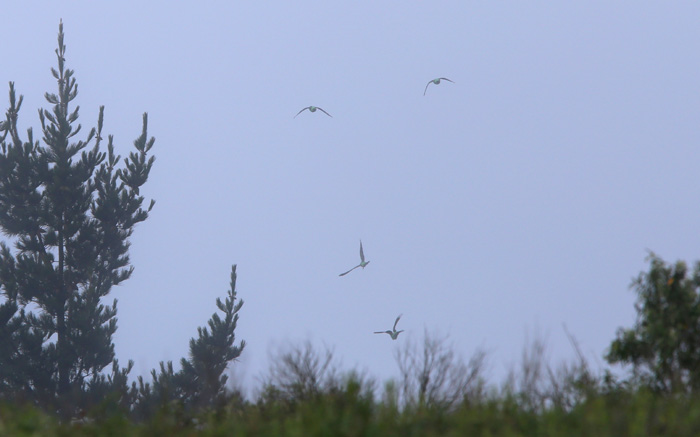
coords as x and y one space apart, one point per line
521 197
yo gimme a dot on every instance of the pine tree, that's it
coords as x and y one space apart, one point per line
69 212
201 382
210 353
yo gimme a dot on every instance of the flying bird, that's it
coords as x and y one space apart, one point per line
436 82
362 263
313 109
393 333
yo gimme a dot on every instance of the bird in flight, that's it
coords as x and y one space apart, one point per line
362 263
393 333
436 82
313 109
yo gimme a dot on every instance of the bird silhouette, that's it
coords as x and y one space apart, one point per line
313 109
436 82
393 333
362 263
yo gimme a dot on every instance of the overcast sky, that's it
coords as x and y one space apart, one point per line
518 198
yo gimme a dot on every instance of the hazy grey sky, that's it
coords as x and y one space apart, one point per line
522 196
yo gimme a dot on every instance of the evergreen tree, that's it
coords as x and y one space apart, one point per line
212 351
663 347
201 381
69 212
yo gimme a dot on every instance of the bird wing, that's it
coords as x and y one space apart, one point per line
444 78
343 274
397 321
426 87
382 332
362 253
302 111
321 109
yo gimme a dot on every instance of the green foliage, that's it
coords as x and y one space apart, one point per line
351 412
69 212
201 382
212 351
663 347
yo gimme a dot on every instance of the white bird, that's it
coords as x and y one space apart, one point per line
313 109
362 263
436 82
393 333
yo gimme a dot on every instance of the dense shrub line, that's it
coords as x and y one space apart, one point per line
353 411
